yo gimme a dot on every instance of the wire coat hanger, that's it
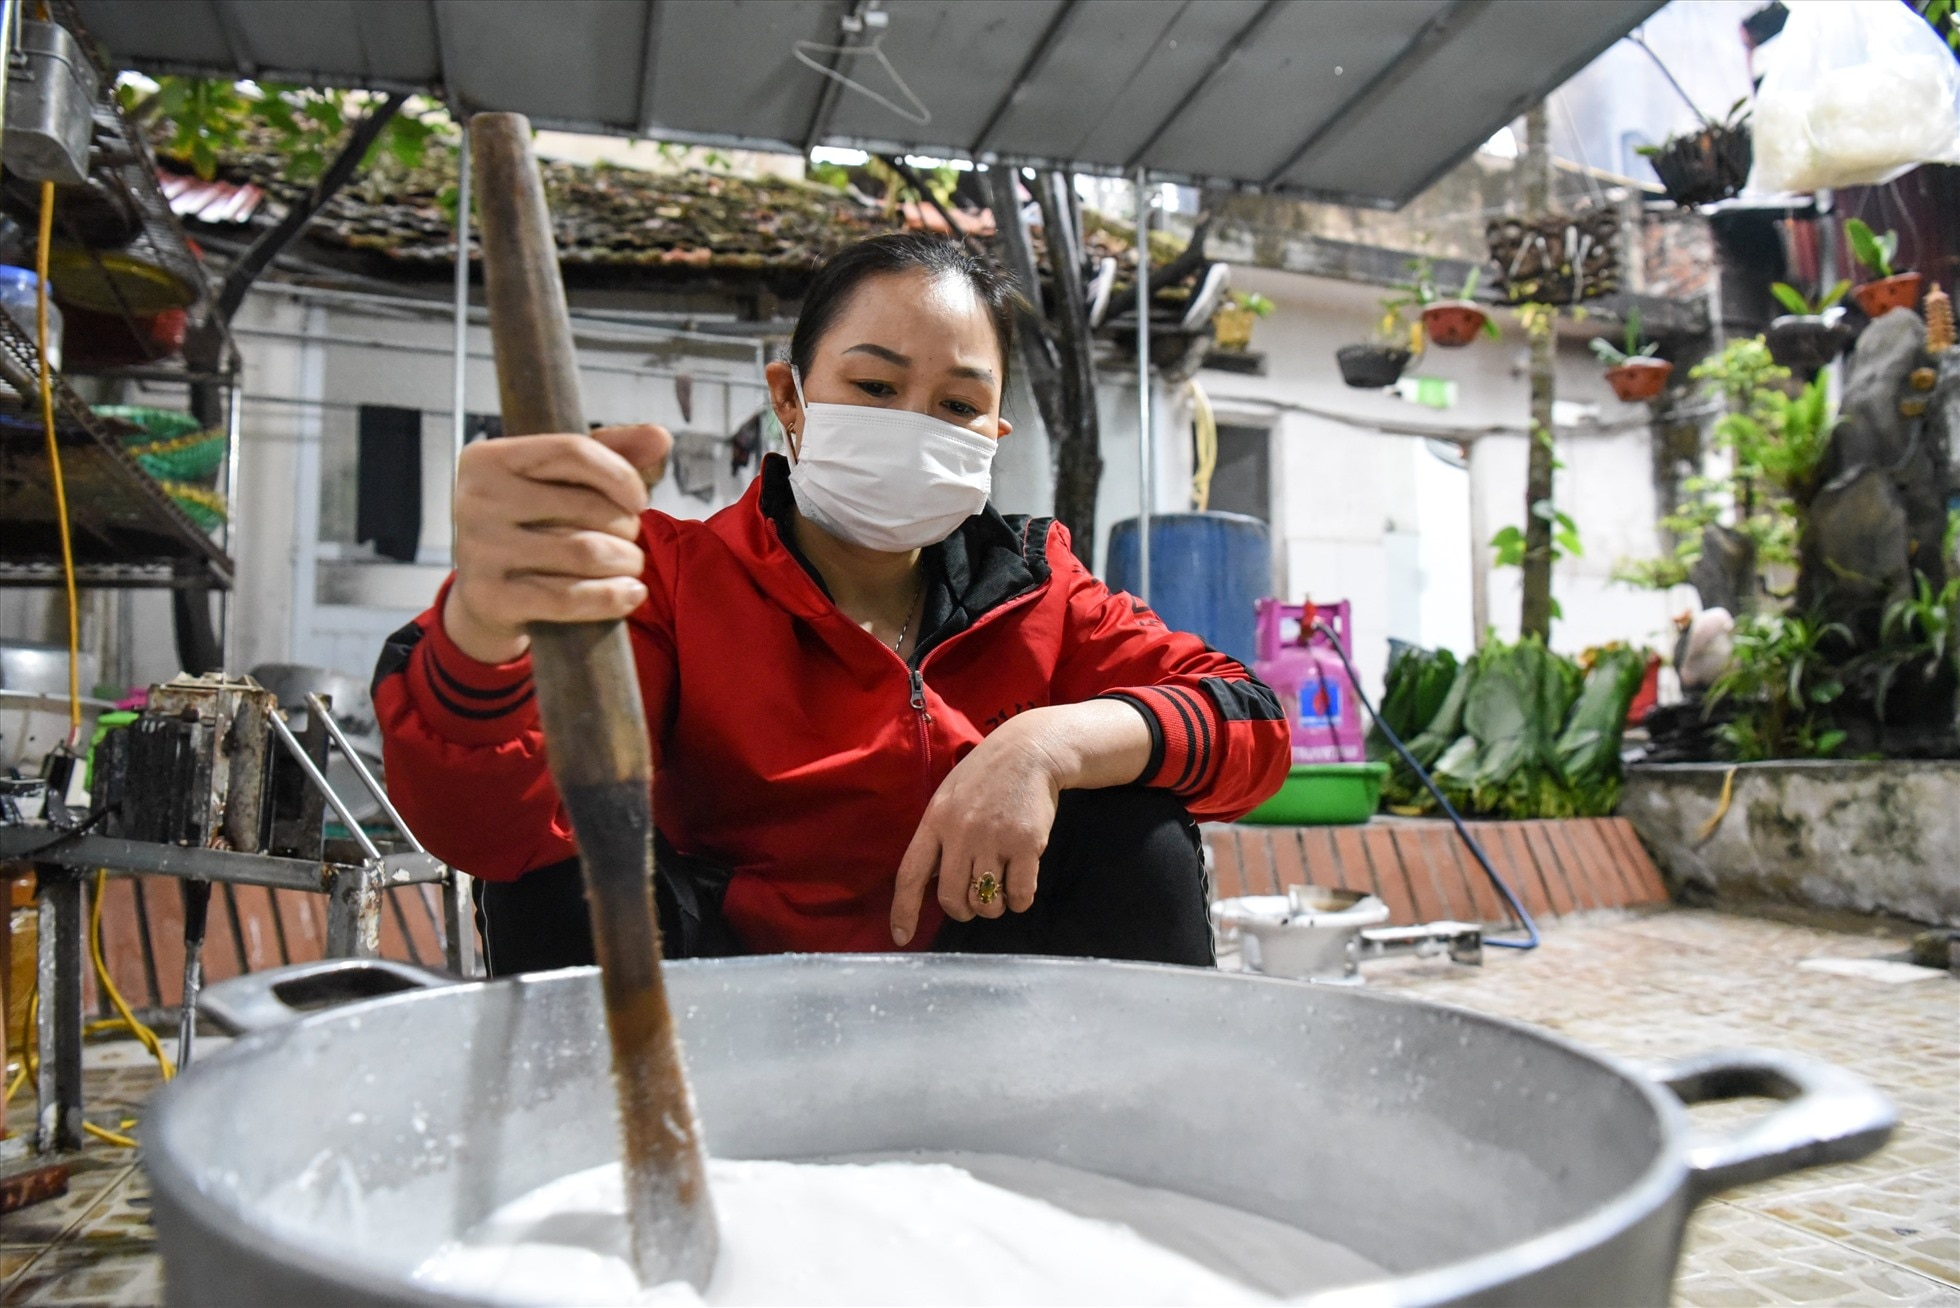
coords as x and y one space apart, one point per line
918 114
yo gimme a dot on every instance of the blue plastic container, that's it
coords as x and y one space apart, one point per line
1207 570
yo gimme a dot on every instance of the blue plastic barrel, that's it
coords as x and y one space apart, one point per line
1206 572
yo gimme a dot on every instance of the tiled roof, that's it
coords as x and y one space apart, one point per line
678 223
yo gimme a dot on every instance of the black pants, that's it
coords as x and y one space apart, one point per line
1123 878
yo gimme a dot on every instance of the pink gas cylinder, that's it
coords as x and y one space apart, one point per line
1300 664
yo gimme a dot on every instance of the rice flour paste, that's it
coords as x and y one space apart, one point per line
944 1229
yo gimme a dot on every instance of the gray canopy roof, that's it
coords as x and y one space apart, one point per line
1356 101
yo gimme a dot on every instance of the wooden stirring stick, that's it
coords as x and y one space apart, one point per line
595 735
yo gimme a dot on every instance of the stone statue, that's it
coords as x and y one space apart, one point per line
1874 524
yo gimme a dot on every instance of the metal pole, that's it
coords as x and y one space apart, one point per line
319 780
9 11
234 396
58 1124
318 708
459 369
1146 478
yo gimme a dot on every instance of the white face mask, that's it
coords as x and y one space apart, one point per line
888 479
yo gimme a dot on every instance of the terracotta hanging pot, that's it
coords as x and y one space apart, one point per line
1371 367
1453 324
1639 380
1900 291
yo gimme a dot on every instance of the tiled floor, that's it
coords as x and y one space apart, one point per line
1882 1231
93 1245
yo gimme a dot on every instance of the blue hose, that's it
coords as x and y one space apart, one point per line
1503 888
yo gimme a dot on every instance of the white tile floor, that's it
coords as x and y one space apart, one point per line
1885 1230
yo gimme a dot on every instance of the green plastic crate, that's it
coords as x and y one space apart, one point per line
1324 795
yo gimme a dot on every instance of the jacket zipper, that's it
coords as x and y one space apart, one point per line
918 680
924 719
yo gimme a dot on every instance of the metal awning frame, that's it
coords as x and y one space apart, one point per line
1391 80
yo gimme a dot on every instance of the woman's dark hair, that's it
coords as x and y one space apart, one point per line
839 277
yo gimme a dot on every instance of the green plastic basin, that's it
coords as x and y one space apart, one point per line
1324 795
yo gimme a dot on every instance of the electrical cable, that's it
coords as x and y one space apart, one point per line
1503 887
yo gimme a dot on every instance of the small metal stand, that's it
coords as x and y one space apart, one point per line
63 860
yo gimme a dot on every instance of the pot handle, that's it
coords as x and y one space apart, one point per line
258 1001
1828 1115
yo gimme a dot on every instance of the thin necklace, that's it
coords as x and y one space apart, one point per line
917 591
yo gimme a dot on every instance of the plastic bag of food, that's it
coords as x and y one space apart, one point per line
1857 92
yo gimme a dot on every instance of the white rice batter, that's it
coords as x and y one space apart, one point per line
895 1231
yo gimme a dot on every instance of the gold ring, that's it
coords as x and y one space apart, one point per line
986 888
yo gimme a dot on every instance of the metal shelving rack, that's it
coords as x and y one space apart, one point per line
127 530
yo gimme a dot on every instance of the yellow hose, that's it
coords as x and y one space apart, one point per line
1204 427
54 464
30 1041
125 1020
1721 809
125 1017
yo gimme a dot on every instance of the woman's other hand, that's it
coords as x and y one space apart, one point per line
993 812
990 817
546 531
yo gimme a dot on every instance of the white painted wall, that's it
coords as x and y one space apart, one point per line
1372 516
1361 511
307 593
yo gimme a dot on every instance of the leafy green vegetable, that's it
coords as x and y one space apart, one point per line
1521 732
1589 747
1418 680
1402 786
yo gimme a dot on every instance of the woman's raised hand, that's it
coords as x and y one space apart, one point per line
545 532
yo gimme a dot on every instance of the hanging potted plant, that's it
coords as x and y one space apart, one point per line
1231 326
1454 323
1634 373
1708 164
1559 258
1380 362
1889 289
1449 323
1810 335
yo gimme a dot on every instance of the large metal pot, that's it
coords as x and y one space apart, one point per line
1479 1162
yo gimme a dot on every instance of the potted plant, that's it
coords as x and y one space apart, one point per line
1380 362
1231 326
1889 288
1556 258
1634 373
1809 336
1707 165
1449 323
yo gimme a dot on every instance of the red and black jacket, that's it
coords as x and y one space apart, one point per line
794 747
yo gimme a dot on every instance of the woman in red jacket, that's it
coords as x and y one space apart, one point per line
882 713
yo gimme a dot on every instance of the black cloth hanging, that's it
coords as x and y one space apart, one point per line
388 481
